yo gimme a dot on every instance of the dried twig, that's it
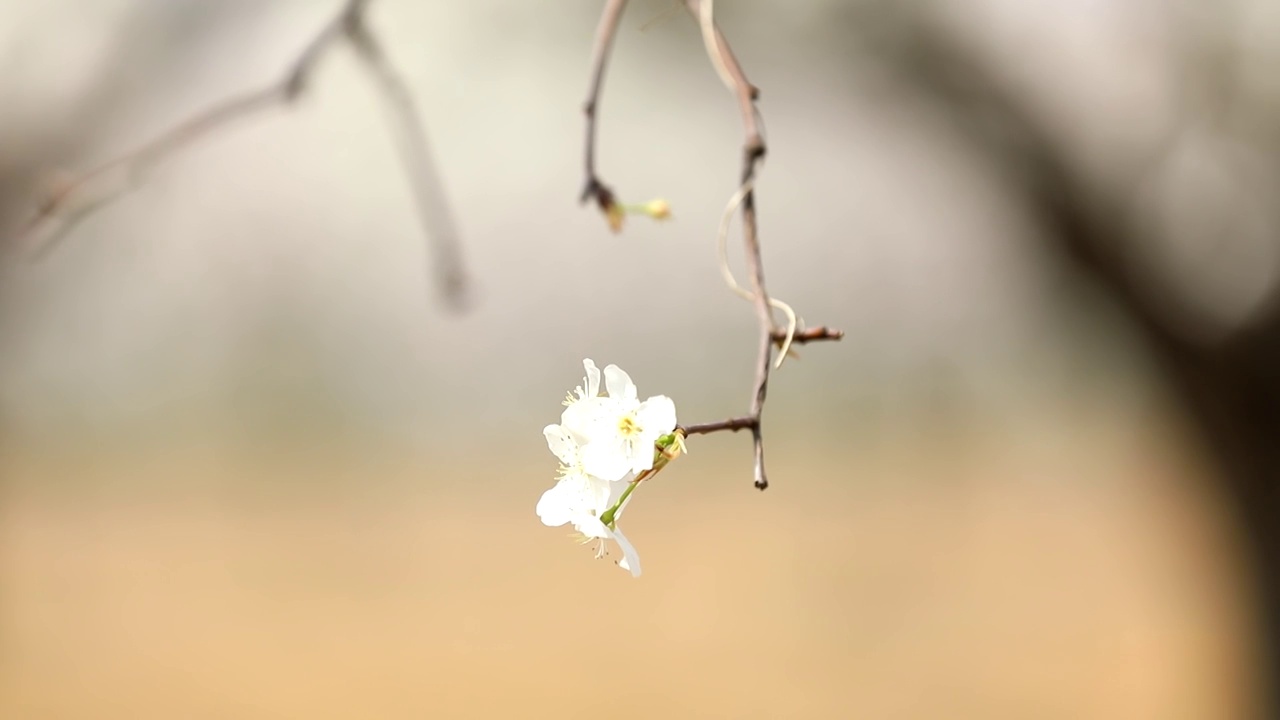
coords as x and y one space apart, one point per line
73 199
800 337
752 422
593 186
753 151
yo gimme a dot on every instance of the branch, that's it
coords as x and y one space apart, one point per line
594 187
800 337
753 151
747 422
1228 386
752 422
415 153
72 200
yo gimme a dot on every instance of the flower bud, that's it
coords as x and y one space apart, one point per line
657 209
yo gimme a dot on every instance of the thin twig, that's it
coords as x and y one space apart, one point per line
808 335
72 200
415 154
593 187
748 422
61 202
753 152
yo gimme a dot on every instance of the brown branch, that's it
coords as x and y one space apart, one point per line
593 187
415 153
807 336
72 200
59 203
753 151
747 422
752 422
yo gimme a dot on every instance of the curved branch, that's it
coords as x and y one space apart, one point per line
593 187
753 151
74 199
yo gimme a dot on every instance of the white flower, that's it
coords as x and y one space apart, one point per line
572 499
582 500
618 432
591 527
575 491
590 386
579 505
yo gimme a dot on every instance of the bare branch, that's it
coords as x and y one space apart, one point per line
747 422
415 154
807 336
721 55
753 150
73 199
593 186
67 198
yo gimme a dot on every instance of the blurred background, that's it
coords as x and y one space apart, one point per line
254 467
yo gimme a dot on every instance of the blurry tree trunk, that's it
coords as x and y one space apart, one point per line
1229 388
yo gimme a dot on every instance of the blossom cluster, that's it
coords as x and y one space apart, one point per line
606 444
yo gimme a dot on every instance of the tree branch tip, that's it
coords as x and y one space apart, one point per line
815 334
593 188
455 292
732 425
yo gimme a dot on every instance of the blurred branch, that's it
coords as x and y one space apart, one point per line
1230 388
752 422
428 190
607 30
753 151
801 337
71 200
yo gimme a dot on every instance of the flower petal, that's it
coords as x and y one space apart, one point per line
597 494
555 507
591 386
607 459
591 526
574 497
590 419
630 558
619 384
562 443
657 416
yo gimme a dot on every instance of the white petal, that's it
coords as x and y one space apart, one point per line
657 415
592 385
641 453
630 558
606 460
562 443
591 526
598 494
619 384
591 419
555 507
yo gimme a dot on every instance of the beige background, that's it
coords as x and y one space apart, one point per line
252 468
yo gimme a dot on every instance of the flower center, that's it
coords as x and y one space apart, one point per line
628 426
